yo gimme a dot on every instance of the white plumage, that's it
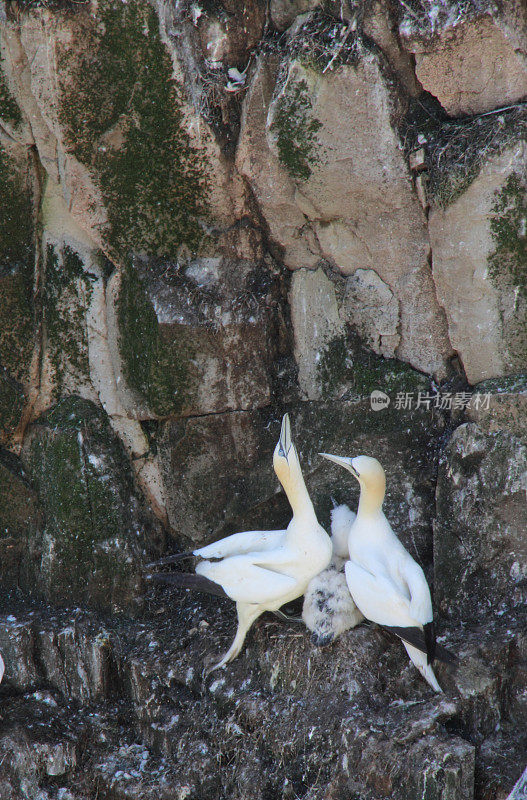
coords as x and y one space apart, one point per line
2 668
328 608
342 518
385 582
263 570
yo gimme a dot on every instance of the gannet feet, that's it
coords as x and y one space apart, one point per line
323 640
231 654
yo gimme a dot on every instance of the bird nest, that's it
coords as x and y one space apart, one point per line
456 151
427 16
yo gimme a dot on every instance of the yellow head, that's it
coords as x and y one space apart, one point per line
285 458
369 473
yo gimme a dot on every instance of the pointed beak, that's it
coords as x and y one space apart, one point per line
342 461
285 436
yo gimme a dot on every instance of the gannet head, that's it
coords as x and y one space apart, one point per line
368 472
284 452
285 457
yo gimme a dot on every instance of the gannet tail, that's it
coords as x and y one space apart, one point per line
416 637
420 660
171 559
187 580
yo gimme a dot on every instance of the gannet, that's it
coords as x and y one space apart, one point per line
385 582
2 668
262 570
328 608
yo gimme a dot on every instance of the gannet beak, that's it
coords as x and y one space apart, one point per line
285 436
342 461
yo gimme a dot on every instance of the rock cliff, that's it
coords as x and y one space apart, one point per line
210 213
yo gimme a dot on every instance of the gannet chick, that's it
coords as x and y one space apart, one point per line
385 582
262 570
328 608
342 518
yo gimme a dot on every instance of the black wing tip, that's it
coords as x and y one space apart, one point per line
417 638
188 580
430 641
171 559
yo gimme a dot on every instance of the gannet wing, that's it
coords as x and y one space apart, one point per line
420 601
378 597
240 543
247 582
382 601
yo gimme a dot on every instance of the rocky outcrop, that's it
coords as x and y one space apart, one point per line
358 210
479 538
96 536
211 213
472 62
353 719
477 245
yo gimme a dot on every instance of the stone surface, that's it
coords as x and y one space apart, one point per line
480 554
316 322
475 64
95 540
21 524
500 405
182 342
361 722
17 255
478 267
373 310
294 148
274 188
284 12
520 790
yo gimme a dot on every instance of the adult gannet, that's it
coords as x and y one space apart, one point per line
328 608
262 570
2 668
385 582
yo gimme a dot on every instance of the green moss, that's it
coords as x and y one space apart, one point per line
508 263
16 324
153 365
12 400
67 294
504 385
16 270
345 363
81 494
296 129
9 110
509 231
16 216
121 110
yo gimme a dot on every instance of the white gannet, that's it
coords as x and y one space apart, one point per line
2 668
262 570
328 608
385 582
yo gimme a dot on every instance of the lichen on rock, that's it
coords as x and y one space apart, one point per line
154 365
93 545
121 109
67 293
296 130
